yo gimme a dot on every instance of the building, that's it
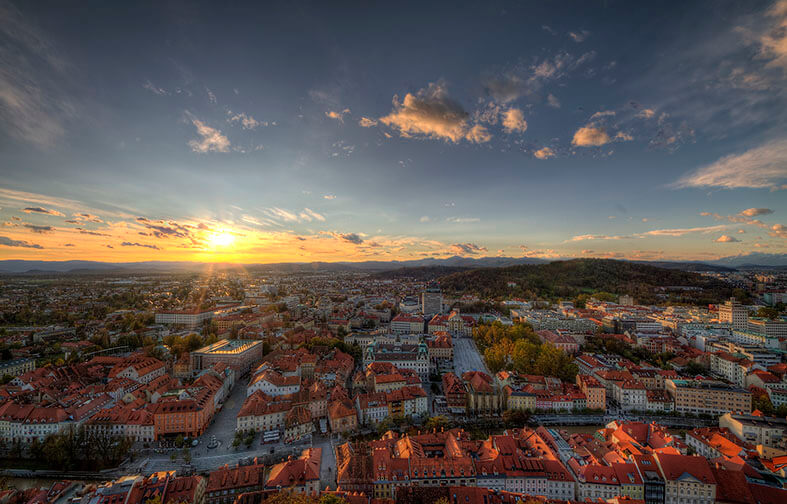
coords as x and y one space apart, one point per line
688 479
407 324
768 328
707 396
188 318
757 430
17 367
595 394
403 356
559 340
735 314
240 355
432 300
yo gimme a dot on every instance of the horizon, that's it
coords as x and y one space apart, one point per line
271 134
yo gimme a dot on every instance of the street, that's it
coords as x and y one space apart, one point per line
223 428
466 357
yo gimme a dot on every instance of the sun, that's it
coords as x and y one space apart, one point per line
221 239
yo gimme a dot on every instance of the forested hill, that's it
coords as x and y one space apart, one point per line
567 279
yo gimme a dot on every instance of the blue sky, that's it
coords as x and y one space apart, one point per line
311 131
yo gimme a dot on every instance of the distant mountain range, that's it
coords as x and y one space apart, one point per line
746 261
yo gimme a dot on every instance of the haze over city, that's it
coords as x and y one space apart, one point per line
320 132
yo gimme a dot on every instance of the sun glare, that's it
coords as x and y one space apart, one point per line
221 239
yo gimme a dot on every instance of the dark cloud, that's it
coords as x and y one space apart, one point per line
351 237
134 244
39 229
42 210
467 248
8 242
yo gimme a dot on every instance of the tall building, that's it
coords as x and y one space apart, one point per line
432 300
732 312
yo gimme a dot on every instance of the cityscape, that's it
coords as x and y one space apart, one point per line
504 252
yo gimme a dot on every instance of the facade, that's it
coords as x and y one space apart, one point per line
757 430
17 367
432 300
403 356
735 314
595 394
240 355
707 396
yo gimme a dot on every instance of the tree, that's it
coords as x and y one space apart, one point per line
179 441
437 422
767 312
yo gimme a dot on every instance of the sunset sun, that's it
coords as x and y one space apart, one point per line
221 239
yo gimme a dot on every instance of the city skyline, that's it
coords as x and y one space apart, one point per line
323 133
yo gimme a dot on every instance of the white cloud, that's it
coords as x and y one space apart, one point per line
590 136
365 122
753 212
431 113
552 101
309 215
34 105
623 137
338 115
726 239
761 167
463 220
247 121
544 153
155 89
212 140
646 113
329 197
579 36
603 113
514 121
424 218
774 40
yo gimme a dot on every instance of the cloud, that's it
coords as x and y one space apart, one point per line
135 244
741 231
552 101
350 237
579 36
431 113
778 231
424 218
623 137
598 237
590 136
774 40
603 113
514 120
520 80
39 229
726 239
211 139
8 242
69 245
753 212
646 113
365 122
34 104
544 153
88 217
247 122
467 248
684 231
463 220
329 196
309 215
160 91
761 167
42 210
339 116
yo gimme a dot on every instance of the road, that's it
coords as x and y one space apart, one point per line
223 427
467 358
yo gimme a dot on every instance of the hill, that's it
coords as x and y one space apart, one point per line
423 273
567 279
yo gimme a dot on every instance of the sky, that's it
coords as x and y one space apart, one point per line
340 131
